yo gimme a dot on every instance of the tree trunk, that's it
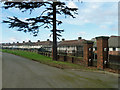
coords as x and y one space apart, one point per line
54 33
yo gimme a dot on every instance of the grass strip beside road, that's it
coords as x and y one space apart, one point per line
47 60
43 59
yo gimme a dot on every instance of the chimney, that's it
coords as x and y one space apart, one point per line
23 41
63 39
29 41
48 40
79 38
38 41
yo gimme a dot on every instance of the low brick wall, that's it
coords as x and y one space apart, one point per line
114 62
114 58
61 58
114 66
114 52
45 54
77 60
69 59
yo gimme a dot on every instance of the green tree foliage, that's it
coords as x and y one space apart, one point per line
46 19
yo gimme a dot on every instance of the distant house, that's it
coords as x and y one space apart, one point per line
6 45
25 45
113 44
71 46
46 45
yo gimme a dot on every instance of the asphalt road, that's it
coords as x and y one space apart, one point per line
19 72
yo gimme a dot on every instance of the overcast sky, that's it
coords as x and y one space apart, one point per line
93 19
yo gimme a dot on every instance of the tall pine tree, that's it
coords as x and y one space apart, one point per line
46 19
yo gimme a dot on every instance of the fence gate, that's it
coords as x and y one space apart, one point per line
95 56
113 62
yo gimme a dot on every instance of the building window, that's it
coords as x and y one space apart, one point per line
110 49
114 49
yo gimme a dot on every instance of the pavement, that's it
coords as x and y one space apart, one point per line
19 72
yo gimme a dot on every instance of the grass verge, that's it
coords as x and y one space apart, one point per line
46 60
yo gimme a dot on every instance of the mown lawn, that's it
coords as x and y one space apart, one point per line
45 60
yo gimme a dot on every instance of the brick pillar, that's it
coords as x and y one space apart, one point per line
102 52
88 53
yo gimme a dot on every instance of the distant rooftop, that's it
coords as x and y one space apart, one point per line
72 42
113 41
